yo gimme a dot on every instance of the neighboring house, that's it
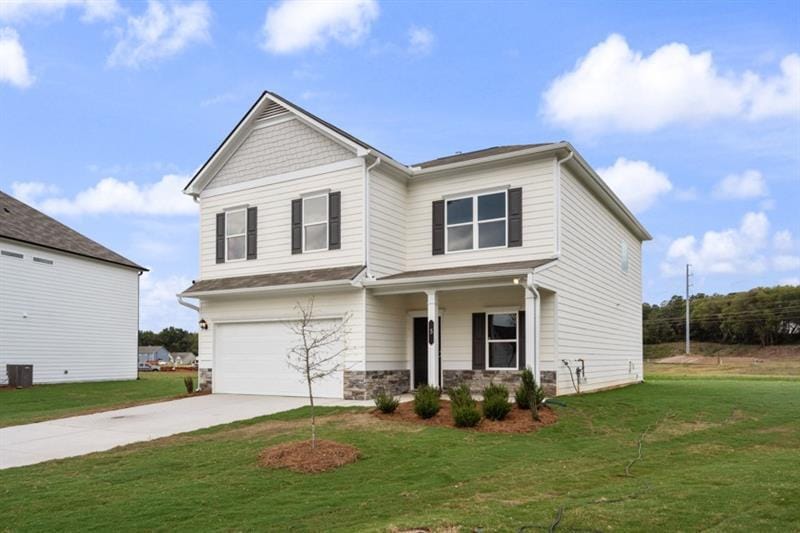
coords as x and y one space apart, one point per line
153 353
183 358
68 306
521 254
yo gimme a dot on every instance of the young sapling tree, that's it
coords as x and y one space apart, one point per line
319 351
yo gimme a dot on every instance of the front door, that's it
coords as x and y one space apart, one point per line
421 350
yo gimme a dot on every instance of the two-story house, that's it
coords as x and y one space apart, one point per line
465 268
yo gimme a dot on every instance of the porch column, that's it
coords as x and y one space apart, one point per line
433 339
532 307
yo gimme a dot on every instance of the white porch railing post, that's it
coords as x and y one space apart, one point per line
433 339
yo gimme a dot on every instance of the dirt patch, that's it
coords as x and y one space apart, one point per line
517 421
301 457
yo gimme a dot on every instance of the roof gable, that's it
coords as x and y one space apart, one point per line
23 223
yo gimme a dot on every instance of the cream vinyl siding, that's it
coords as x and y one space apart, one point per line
538 213
259 308
278 147
388 221
598 305
274 203
386 332
82 316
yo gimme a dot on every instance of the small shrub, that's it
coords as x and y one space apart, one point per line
537 400
188 382
461 396
426 401
495 402
466 416
386 402
525 391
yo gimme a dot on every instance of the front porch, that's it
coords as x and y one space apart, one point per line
488 330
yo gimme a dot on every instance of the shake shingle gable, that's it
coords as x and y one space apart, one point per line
21 222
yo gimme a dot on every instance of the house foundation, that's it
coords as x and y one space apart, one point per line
366 384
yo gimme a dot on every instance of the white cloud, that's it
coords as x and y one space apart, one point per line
112 196
743 250
782 263
18 11
159 306
783 240
162 31
749 184
13 63
295 25
615 87
420 40
637 183
728 251
793 281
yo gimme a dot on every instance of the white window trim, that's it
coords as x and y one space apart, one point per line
489 341
475 222
327 221
227 236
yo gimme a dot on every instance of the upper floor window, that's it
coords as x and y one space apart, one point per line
236 234
477 221
315 222
623 256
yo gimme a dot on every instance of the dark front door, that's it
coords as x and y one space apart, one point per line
421 350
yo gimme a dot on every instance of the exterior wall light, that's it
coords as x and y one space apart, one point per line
203 324
516 281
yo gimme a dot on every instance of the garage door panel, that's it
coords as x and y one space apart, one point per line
251 358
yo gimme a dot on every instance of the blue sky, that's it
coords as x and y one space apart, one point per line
691 111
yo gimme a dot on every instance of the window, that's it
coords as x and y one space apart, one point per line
475 222
501 339
315 223
235 234
623 256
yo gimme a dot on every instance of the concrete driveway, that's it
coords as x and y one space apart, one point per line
78 435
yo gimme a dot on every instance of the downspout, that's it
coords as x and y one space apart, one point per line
557 186
377 162
530 286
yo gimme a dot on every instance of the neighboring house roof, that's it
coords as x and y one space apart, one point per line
21 222
512 266
150 349
183 356
477 154
260 281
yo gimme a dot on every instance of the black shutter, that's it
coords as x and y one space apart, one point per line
521 340
438 227
478 341
515 217
220 237
334 221
252 232
297 226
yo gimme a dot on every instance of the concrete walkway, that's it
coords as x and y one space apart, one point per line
78 435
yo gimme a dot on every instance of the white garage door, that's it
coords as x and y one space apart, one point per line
250 358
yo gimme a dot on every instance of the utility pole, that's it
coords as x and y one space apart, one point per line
688 342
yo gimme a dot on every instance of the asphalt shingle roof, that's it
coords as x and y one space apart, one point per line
21 222
477 154
275 279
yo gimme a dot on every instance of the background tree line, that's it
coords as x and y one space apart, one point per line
173 339
764 315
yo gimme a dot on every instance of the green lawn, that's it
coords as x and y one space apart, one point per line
717 455
44 402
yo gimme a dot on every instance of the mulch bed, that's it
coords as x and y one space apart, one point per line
517 421
301 457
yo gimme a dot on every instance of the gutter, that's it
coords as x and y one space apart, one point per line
341 283
445 277
187 304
